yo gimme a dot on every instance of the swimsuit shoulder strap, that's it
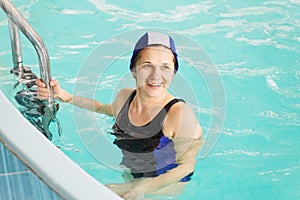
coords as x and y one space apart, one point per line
171 103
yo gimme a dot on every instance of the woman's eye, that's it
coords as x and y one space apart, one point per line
165 67
147 65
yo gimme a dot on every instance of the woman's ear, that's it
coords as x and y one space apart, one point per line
133 72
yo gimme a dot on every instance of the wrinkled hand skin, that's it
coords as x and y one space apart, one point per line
125 191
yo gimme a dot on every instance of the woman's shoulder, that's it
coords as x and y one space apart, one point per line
120 99
123 95
184 121
179 108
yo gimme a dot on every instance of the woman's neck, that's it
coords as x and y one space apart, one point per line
142 103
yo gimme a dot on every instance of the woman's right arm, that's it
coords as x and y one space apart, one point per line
64 96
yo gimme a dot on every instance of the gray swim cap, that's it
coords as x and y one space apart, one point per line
151 38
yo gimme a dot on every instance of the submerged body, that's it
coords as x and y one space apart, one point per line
157 162
147 152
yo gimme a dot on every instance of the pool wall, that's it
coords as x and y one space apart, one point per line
45 160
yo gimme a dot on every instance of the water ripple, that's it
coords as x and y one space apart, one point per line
79 46
181 13
238 152
240 70
283 171
221 25
261 10
76 12
232 132
284 117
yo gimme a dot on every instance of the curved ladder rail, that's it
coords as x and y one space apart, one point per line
17 22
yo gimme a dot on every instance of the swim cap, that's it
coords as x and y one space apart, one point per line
150 38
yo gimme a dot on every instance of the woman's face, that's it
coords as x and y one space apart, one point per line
154 70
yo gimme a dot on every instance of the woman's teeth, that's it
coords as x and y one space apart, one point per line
155 85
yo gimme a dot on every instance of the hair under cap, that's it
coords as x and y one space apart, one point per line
152 38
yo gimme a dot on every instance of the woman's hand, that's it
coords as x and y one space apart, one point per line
128 190
133 194
58 92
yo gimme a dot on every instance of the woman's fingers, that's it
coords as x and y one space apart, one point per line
53 83
43 93
40 83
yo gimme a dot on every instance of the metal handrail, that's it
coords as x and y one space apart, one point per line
27 97
18 22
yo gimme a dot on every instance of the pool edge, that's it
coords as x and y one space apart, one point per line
45 160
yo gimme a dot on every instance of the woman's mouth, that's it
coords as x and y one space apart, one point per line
155 85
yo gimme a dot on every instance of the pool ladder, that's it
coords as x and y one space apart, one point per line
39 113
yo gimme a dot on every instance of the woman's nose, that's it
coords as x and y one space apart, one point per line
155 72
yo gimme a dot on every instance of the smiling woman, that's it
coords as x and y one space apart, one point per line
159 135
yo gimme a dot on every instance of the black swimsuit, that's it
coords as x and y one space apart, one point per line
146 151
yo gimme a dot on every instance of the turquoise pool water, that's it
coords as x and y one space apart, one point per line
254 47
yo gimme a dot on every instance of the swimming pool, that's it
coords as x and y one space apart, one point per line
255 49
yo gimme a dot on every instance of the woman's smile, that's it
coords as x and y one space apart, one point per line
155 85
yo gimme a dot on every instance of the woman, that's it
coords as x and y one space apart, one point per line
159 135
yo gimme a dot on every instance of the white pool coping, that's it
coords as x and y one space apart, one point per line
44 159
